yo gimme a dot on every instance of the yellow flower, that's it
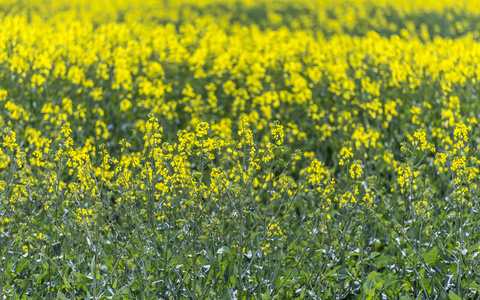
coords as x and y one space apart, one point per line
202 129
345 154
125 105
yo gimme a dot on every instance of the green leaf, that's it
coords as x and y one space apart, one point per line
92 267
474 247
389 281
373 283
342 274
352 254
123 290
432 256
474 286
223 250
60 295
332 272
453 296
66 282
40 277
383 261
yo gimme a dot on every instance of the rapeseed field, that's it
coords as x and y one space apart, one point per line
266 149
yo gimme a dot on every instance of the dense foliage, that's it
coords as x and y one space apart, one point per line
239 150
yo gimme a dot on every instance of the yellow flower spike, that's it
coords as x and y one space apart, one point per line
356 170
9 140
277 133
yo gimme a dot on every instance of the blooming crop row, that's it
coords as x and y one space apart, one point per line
211 149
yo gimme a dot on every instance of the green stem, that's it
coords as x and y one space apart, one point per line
362 255
460 258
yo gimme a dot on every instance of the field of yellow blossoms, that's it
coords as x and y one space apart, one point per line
248 149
